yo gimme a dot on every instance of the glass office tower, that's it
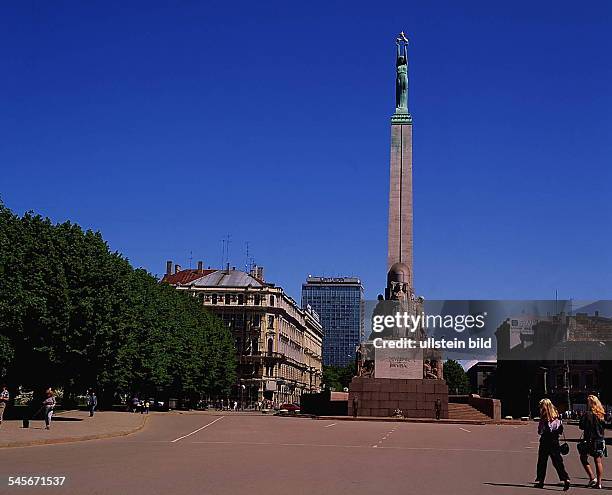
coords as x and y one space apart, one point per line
338 301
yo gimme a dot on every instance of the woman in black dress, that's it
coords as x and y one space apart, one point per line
549 429
594 443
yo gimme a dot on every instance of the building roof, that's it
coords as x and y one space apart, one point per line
331 281
184 277
480 365
226 278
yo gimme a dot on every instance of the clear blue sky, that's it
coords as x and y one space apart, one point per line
168 125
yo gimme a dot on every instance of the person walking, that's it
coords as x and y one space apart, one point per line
355 405
49 406
147 405
92 402
438 408
4 398
594 443
549 429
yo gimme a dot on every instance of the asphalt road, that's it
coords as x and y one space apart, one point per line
234 454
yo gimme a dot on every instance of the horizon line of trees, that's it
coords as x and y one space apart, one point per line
75 315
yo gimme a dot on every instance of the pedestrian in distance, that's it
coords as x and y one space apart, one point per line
593 442
4 398
49 407
235 405
549 429
438 408
147 405
355 405
92 402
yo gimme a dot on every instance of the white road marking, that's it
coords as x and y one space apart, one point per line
272 444
333 424
469 431
199 429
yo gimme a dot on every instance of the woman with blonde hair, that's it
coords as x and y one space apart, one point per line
549 429
593 444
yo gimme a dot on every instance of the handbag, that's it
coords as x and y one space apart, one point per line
564 447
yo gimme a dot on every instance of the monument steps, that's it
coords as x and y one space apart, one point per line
465 411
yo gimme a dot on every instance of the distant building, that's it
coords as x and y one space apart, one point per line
338 301
482 378
563 357
278 344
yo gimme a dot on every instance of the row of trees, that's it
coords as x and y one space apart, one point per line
75 315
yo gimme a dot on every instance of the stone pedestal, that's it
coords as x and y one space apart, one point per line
380 397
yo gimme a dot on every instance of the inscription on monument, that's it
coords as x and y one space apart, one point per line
398 363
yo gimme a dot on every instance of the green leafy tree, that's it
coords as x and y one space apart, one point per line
338 377
75 315
456 377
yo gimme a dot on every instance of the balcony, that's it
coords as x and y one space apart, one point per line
259 357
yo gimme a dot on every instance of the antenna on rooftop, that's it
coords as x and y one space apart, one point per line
225 243
249 261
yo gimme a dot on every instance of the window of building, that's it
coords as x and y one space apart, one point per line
575 380
270 347
257 300
271 321
228 299
240 298
271 299
214 299
560 381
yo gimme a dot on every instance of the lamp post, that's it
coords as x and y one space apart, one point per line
529 402
566 377
545 370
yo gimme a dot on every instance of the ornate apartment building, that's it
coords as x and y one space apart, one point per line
278 344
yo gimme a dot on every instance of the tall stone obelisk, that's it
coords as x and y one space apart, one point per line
395 381
400 190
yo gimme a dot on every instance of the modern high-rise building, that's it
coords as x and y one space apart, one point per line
338 301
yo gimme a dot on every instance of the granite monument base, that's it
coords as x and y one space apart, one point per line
381 397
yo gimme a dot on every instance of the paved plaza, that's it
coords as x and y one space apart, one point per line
69 426
234 453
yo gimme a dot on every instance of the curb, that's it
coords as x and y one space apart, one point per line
417 420
55 441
